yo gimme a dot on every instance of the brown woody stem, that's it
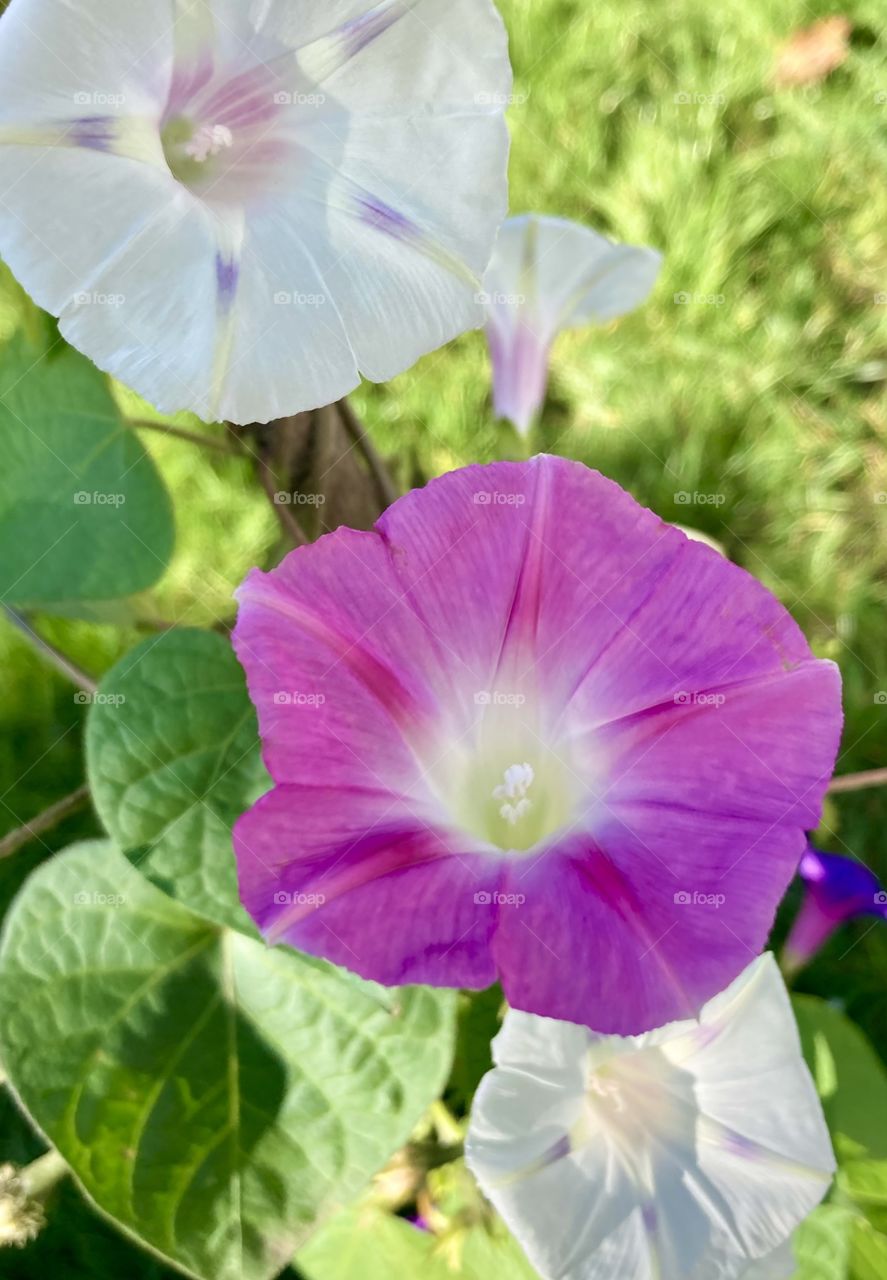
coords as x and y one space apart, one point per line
858 781
44 821
52 655
380 473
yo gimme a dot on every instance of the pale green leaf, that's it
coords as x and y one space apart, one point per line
216 1098
868 1252
367 1243
822 1244
849 1076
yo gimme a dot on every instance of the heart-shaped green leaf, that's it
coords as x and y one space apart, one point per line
84 516
173 759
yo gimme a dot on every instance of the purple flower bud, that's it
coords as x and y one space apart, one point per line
837 889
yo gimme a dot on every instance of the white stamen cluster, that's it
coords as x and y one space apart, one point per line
608 1089
513 793
208 141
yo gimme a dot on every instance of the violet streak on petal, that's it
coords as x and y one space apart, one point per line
675 1154
837 889
326 55
499 749
98 133
384 218
227 273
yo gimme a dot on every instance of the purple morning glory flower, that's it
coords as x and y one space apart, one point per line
837 889
525 730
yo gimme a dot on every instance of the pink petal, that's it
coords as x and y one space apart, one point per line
363 880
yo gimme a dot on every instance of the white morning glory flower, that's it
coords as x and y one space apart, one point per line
238 207
688 1153
547 275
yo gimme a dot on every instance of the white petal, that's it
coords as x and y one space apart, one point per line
787 1119
288 344
520 359
404 267
546 275
416 190
567 273
402 291
66 59
543 1047
401 251
434 56
135 283
586 1238
300 22
689 1153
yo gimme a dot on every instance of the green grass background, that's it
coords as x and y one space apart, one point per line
773 200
